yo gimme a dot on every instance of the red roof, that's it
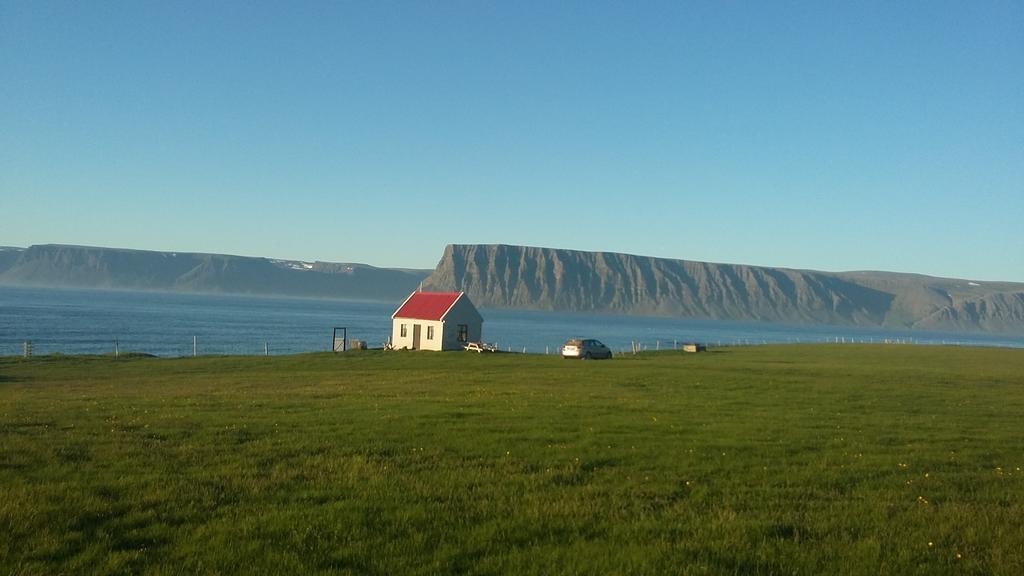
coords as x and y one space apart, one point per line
427 305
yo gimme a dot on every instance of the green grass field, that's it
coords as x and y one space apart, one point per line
764 460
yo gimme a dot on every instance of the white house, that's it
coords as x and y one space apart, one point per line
436 321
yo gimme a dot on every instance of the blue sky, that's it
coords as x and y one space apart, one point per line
823 135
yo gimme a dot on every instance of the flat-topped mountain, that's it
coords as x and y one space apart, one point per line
504 276
86 267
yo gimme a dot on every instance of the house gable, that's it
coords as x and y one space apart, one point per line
463 311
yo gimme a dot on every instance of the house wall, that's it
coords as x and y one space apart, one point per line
463 312
399 342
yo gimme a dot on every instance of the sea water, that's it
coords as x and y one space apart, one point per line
73 321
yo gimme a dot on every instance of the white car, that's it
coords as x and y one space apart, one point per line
585 349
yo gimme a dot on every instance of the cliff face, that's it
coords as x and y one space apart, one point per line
8 256
79 266
548 279
1003 312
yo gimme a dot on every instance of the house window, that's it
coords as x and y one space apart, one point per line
463 333
430 332
403 331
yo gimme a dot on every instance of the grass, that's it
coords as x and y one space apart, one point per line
764 460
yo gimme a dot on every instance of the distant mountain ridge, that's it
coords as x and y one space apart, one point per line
114 268
503 276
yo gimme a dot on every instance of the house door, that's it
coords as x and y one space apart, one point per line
415 336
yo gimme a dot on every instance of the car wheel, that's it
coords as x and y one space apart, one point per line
586 356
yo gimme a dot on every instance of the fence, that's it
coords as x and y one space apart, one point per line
197 345
193 346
